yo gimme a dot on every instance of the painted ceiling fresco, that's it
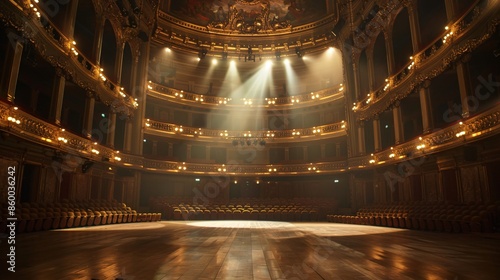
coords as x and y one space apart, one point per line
248 16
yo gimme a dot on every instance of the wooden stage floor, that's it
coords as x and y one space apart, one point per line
252 250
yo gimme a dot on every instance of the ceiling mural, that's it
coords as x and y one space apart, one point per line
248 16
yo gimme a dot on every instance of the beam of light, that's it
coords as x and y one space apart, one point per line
326 68
256 86
291 79
232 80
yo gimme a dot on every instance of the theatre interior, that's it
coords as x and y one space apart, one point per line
250 139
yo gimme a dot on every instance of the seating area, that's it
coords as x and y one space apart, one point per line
440 217
69 214
304 209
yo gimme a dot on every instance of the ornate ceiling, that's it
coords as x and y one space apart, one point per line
233 26
248 16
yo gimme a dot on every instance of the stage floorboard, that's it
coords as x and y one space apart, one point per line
252 250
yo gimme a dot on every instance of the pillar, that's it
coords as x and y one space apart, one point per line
88 115
70 19
464 84
154 148
371 69
398 124
97 48
139 92
361 138
377 138
57 98
111 131
127 143
451 9
390 53
188 152
120 48
170 150
414 26
14 56
426 109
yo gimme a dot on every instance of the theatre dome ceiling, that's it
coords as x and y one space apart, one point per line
234 28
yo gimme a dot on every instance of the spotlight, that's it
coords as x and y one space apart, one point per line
298 52
202 53
250 55
278 55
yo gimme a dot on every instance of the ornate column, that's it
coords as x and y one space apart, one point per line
207 153
425 105
398 124
371 69
390 52
287 153
355 70
451 9
120 48
127 141
70 18
377 138
188 151
99 32
88 115
111 130
140 93
361 138
154 148
13 63
170 150
464 84
57 97
414 26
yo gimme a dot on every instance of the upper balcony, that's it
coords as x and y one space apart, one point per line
461 37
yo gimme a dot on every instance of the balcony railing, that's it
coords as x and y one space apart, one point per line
62 52
203 134
426 64
23 125
308 99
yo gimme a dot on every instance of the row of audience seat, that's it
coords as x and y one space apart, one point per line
36 217
472 217
245 209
